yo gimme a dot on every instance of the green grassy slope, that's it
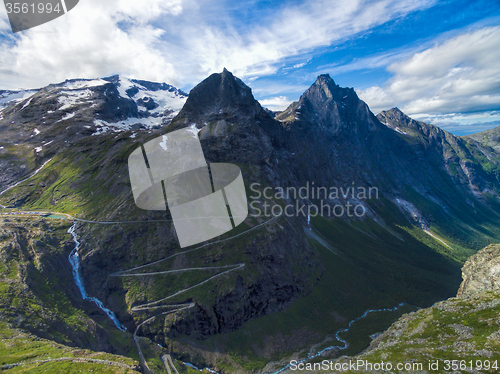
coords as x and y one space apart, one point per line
21 352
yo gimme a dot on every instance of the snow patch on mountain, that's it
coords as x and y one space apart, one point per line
397 129
413 213
193 130
128 124
124 84
69 99
9 97
67 116
77 84
165 96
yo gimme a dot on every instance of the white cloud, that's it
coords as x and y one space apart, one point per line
181 41
88 43
459 75
292 31
276 103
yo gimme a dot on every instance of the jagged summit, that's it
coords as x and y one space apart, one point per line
394 114
336 109
325 89
221 96
490 138
400 122
233 125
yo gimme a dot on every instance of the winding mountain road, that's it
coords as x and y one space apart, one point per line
161 303
175 308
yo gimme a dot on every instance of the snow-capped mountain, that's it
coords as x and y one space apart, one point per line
158 103
101 105
37 124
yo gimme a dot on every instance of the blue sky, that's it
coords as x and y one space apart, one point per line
436 60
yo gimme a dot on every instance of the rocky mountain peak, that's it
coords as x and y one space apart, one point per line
221 96
394 115
325 90
233 125
400 122
335 109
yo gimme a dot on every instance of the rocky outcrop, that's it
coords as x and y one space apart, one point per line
481 272
233 125
336 109
490 138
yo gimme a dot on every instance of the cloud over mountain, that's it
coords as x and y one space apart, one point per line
180 41
459 75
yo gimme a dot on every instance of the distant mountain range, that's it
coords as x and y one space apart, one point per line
305 275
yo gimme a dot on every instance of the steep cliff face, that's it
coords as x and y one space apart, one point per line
336 109
490 138
233 126
220 96
471 165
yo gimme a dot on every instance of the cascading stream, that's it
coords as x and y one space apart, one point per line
74 259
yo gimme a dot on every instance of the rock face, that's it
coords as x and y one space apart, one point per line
454 153
233 126
481 272
220 96
336 109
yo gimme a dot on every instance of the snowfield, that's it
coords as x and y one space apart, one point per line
14 97
166 99
69 99
84 83
164 102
